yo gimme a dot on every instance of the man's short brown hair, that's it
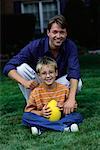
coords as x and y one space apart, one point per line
60 20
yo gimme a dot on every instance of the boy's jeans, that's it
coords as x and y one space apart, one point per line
30 119
28 73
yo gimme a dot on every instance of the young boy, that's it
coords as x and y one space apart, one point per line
37 112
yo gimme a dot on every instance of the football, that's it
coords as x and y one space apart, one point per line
55 111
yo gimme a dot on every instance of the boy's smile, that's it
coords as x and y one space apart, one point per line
48 74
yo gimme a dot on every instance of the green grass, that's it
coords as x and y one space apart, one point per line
14 136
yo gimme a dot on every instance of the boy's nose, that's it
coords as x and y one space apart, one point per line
48 74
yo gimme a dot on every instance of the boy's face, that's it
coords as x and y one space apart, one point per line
48 74
56 35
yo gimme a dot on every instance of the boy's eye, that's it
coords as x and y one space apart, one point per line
43 73
51 72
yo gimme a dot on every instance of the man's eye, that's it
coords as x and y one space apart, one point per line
62 32
54 32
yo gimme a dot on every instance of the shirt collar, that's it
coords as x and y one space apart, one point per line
46 47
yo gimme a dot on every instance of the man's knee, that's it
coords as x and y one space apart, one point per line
21 68
26 71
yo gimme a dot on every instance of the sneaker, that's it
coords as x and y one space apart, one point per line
35 131
72 128
67 129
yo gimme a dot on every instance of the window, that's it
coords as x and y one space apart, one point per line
43 11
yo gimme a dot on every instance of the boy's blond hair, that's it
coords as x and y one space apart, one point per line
45 61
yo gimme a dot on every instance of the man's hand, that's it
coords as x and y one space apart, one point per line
69 106
71 103
30 84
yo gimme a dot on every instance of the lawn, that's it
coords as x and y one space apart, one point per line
14 136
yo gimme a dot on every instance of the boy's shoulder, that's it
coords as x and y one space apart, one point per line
38 88
62 86
41 88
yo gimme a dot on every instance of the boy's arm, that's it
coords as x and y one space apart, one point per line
32 107
37 112
45 112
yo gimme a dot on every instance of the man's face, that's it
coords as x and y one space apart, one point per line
56 35
48 74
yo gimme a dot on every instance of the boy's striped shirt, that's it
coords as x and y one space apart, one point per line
40 96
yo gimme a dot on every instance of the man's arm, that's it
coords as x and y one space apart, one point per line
30 84
71 103
73 76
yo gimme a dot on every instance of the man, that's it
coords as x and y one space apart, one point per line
56 45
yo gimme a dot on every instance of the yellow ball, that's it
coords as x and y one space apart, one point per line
55 112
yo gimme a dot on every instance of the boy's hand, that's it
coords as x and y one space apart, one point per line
46 112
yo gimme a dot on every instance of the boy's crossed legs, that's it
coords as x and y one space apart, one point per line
32 120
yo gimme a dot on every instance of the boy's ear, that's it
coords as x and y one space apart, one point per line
40 78
56 72
39 75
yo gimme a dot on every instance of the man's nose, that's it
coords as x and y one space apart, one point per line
58 35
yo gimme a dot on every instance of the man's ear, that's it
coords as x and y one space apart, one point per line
48 32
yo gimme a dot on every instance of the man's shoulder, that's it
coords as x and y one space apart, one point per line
39 40
69 41
70 45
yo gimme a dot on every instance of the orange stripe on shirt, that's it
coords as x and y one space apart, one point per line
40 97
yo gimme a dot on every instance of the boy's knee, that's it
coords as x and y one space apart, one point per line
80 85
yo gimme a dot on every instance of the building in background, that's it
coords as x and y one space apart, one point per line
23 20
43 10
